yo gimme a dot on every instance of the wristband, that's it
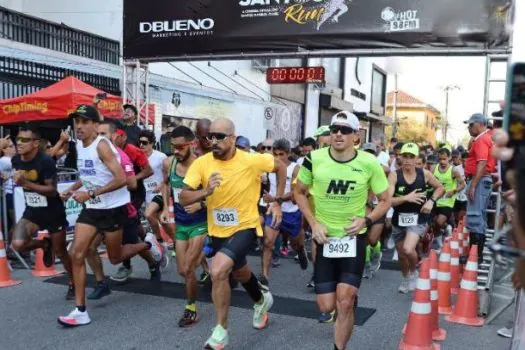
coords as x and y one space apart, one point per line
368 222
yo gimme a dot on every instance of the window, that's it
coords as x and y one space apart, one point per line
378 94
333 71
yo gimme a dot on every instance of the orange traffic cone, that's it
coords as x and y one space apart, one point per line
418 331
443 280
460 242
40 270
437 333
454 267
466 243
466 309
5 275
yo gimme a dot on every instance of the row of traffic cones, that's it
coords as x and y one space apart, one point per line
432 297
39 270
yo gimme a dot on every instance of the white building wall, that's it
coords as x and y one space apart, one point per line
363 81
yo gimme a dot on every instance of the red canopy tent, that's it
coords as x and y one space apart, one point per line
57 101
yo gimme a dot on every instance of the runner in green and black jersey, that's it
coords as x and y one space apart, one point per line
191 222
339 178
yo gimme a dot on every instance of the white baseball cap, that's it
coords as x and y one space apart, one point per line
346 118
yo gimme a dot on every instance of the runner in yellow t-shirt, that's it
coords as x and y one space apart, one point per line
231 179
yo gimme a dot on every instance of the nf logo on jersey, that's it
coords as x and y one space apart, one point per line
399 21
340 186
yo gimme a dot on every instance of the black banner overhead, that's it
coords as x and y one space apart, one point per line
206 29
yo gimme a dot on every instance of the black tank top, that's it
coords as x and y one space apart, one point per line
402 189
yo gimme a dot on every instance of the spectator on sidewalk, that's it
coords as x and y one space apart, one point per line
479 167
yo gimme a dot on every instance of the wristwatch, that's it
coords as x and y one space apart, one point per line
279 200
368 222
92 194
203 204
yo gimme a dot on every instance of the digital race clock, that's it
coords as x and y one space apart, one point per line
295 75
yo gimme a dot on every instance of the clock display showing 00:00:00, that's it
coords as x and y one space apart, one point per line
290 75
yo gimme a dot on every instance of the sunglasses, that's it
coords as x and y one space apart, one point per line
219 136
266 148
180 147
144 142
345 130
25 139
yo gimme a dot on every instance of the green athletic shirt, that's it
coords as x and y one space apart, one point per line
449 183
340 189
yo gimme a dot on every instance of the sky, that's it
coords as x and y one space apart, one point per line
425 78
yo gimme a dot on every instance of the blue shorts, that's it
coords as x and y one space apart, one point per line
291 223
477 210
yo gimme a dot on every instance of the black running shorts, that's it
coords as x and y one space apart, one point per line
235 247
329 272
51 221
159 201
105 220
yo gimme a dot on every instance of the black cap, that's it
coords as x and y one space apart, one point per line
86 112
132 107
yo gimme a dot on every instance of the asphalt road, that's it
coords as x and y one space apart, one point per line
138 320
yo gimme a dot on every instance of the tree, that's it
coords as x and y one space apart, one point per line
410 131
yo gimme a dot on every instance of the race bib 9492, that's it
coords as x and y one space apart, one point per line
408 219
344 247
225 217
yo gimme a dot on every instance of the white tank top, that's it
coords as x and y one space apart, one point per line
153 182
95 174
288 206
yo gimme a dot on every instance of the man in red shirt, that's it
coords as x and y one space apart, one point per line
479 166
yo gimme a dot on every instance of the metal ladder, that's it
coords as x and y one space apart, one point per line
487 269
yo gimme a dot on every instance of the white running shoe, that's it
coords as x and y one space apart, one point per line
413 281
375 262
260 311
75 318
404 286
395 257
156 248
390 244
165 255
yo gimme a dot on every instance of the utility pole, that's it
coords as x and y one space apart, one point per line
394 108
447 90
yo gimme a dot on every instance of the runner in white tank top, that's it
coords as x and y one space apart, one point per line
101 188
292 219
154 189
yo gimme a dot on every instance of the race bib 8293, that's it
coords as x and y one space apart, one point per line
225 217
